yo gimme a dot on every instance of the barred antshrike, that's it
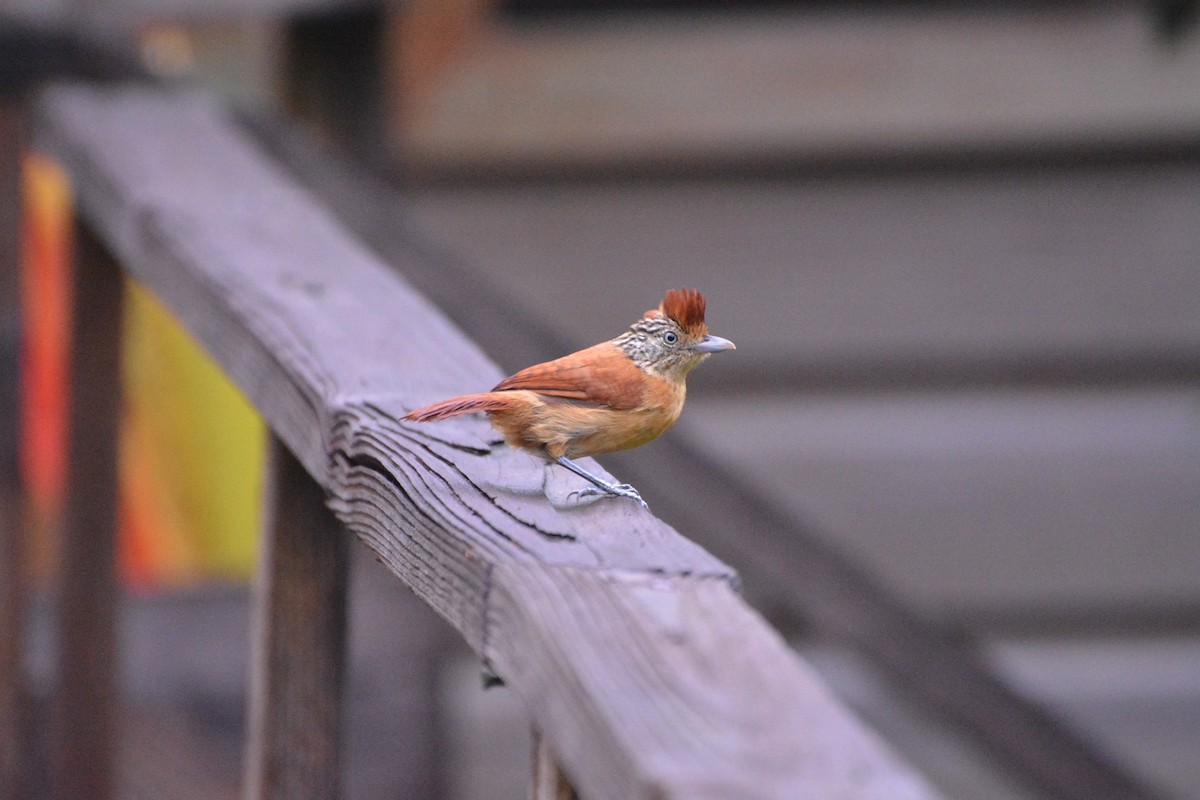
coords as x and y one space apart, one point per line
612 396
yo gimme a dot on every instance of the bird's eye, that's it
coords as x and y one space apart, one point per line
670 337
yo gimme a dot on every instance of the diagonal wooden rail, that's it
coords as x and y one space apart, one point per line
642 668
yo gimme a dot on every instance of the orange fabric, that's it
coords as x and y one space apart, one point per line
45 307
191 453
190 445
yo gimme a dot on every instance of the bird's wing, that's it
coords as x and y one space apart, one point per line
601 375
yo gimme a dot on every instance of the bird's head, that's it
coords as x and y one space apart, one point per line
672 339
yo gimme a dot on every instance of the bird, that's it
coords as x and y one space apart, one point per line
612 396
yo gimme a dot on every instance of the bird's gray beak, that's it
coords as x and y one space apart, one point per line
713 344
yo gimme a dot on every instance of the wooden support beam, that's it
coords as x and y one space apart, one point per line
299 640
87 695
12 137
549 781
12 533
14 734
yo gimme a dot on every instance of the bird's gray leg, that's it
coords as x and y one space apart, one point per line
603 486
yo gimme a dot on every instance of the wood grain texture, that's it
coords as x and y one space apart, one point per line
642 726
299 640
88 595
628 643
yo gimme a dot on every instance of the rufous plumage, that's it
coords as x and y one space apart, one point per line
611 396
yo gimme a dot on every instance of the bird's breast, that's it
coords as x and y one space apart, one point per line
609 430
576 429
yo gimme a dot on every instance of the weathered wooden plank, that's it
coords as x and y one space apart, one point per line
641 727
299 640
627 642
88 594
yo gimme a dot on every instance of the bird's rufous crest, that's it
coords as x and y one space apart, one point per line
686 308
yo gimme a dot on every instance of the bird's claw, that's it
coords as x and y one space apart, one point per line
613 490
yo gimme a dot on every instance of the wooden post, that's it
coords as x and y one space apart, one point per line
299 636
331 71
12 134
12 534
549 781
87 695
13 732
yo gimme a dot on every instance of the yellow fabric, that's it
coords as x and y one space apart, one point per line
191 453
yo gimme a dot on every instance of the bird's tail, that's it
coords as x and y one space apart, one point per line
466 404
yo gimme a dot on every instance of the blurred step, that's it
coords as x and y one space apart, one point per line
695 89
981 507
1138 698
1067 273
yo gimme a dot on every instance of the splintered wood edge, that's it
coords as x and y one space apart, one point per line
628 643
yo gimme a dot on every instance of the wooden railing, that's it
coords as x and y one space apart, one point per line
645 673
